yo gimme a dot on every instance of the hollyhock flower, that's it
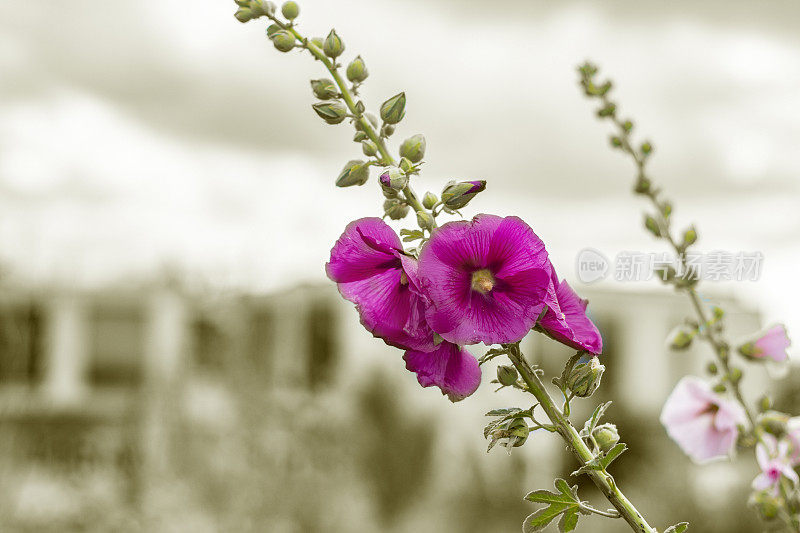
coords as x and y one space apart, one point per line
451 368
486 279
567 322
371 270
793 433
771 345
774 461
703 423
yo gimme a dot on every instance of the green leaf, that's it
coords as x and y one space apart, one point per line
503 412
569 521
612 454
545 496
678 528
590 424
541 518
562 382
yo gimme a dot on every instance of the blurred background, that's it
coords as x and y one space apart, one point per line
172 357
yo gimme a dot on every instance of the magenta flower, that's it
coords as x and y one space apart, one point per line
567 322
774 461
704 424
771 345
371 270
486 279
454 370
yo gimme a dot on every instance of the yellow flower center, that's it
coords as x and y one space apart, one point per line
482 281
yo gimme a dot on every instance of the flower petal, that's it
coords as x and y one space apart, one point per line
366 248
573 328
454 370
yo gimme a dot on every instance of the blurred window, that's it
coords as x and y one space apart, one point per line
21 343
117 342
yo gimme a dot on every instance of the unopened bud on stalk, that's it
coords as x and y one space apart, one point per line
262 7
681 338
290 10
647 148
333 46
283 40
606 436
357 70
394 178
355 172
359 136
642 185
616 142
324 89
768 504
712 368
317 41
406 165
243 14
413 148
429 200
458 194
272 29
607 110
773 422
331 112
652 225
395 209
507 375
689 237
425 220
584 378
373 120
518 432
764 403
393 109
369 148
387 130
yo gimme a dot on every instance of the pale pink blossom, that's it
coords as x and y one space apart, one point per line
774 459
771 345
703 423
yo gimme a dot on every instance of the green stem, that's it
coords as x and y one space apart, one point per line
408 192
577 446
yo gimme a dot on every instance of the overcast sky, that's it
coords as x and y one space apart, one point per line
139 134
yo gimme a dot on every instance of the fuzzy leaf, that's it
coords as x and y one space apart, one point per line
678 528
504 411
545 496
541 518
590 424
569 521
602 461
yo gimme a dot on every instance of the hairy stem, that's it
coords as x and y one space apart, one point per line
602 479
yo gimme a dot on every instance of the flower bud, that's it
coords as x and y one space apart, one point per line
262 7
642 185
387 130
773 422
324 89
359 136
290 10
647 148
331 112
584 378
606 436
393 109
652 225
768 504
355 172
357 70
272 29
764 403
429 200
425 220
518 432
406 165
458 194
283 40
395 209
372 119
507 375
681 338
394 178
333 46
689 236
413 148
317 41
712 368
368 147
243 14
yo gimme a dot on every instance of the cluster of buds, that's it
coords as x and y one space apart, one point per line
253 9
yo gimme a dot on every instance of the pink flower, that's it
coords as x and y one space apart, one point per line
454 370
703 423
371 270
793 433
486 279
771 345
774 461
567 322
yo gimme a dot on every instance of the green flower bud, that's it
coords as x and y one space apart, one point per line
370 117
406 165
355 172
333 46
272 29
243 14
395 209
456 195
689 236
331 112
359 136
642 185
262 7
317 41
518 431
368 147
647 148
425 220
768 504
357 70
607 111
717 312
394 178
413 148
393 109
584 378
719 388
507 375
712 368
387 130
627 126
735 375
290 10
283 40
773 422
324 89
652 225
606 436
764 403
616 142
681 338
429 200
